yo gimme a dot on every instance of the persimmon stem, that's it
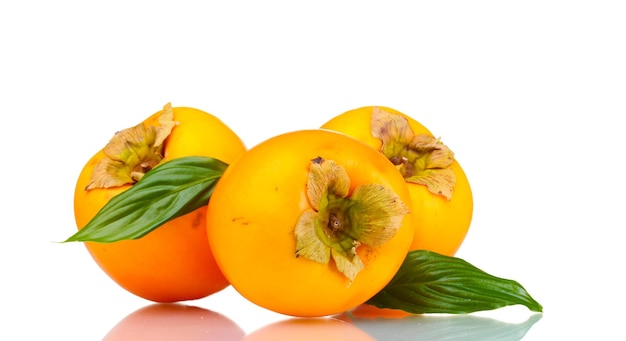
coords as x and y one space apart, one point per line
334 223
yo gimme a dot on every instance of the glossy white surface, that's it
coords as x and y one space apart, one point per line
529 95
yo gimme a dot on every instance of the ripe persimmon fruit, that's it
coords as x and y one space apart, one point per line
174 262
440 191
310 223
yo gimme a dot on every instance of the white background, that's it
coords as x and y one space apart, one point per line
529 94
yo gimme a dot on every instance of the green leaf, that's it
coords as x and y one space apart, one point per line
428 282
168 191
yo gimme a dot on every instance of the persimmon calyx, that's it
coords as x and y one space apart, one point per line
133 152
421 158
338 223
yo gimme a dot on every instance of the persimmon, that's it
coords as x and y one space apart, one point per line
174 262
440 191
310 223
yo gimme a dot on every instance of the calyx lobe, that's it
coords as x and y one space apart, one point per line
337 224
421 158
133 152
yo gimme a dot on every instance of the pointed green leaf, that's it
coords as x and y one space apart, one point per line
428 282
168 191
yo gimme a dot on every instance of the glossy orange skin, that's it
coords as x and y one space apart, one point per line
440 225
253 212
174 262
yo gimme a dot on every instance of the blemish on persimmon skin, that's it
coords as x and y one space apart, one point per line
198 220
240 221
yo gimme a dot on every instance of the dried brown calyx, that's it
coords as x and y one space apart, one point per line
336 225
421 158
133 152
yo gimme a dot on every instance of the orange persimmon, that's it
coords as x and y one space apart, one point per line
310 223
173 262
440 191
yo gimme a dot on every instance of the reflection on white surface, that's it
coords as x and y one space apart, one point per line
183 322
309 329
444 328
175 322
